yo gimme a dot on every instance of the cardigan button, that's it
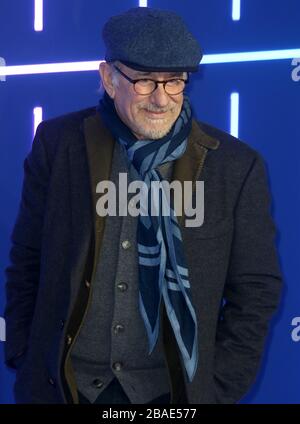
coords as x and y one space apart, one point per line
117 366
51 381
69 339
122 287
87 284
126 244
118 328
98 383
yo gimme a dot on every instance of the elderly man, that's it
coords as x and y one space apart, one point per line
140 309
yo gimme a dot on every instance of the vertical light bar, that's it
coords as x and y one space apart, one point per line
234 114
2 64
236 10
38 15
143 3
37 118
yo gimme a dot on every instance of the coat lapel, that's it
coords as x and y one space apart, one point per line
100 146
188 167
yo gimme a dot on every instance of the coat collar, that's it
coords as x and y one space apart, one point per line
188 167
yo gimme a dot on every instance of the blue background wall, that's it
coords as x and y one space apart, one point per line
268 121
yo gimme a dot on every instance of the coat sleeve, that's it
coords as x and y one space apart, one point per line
22 273
252 290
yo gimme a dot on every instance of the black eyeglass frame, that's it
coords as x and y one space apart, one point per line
134 81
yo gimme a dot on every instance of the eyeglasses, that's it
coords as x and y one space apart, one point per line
147 86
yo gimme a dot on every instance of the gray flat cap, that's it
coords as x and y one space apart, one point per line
148 39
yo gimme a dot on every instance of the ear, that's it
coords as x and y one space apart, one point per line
106 78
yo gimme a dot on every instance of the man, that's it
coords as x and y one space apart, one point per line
140 309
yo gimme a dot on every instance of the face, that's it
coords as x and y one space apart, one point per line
148 116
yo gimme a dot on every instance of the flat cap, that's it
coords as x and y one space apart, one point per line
148 39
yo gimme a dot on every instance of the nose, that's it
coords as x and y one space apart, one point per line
159 96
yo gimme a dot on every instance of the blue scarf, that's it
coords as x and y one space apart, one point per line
162 266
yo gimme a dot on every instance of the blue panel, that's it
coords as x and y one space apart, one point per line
264 25
268 110
72 30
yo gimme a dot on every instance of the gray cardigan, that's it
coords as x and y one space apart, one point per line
113 330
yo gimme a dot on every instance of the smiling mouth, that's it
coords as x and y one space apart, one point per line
156 115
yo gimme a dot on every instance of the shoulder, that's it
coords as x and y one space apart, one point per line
62 130
233 161
231 150
68 122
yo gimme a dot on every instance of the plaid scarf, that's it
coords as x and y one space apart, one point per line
162 266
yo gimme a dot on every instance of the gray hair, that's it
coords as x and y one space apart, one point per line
115 77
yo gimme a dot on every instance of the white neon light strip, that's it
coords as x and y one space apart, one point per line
251 56
37 118
2 65
234 114
38 15
48 68
143 3
236 10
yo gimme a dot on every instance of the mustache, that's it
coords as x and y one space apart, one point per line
150 108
